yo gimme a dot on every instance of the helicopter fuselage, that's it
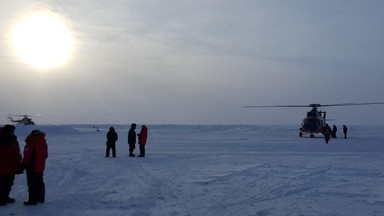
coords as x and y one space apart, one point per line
312 125
25 121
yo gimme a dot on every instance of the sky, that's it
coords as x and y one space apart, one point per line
193 62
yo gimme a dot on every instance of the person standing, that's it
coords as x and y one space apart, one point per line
334 131
112 137
345 131
132 139
35 155
143 140
10 159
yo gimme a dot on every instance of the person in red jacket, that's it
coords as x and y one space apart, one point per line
10 159
142 140
35 154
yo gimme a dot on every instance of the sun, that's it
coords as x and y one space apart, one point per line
42 40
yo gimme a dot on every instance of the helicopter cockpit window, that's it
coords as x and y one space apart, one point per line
312 124
312 113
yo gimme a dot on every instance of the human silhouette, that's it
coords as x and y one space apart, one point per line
132 139
327 133
10 159
112 137
345 131
143 140
35 155
334 131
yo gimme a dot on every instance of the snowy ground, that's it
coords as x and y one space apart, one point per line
209 170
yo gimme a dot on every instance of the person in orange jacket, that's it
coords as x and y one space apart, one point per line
10 159
142 140
35 155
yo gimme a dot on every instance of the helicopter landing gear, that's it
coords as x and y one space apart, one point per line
312 136
300 134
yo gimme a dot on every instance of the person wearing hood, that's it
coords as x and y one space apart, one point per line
132 139
112 137
35 155
334 131
10 159
143 140
327 133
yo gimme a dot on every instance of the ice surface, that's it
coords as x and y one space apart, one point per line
208 170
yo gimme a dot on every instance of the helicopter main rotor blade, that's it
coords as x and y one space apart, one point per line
320 105
278 106
353 104
21 115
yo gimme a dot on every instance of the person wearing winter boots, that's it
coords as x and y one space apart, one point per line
327 133
132 140
143 140
112 137
35 155
334 131
10 159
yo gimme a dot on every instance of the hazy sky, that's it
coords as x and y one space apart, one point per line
199 61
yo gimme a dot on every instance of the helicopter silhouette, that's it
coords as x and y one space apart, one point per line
25 120
315 121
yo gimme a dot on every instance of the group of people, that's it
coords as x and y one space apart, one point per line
112 137
12 163
328 132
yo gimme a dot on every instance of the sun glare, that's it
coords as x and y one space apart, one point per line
42 40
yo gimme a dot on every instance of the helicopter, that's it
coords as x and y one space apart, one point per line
315 120
25 120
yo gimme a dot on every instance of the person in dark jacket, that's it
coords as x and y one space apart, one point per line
132 139
334 131
112 137
345 131
10 159
35 155
143 140
327 133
